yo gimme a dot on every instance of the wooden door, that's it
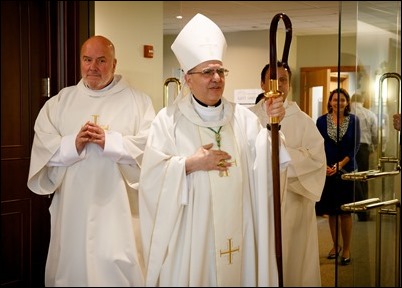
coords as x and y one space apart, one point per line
32 49
309 80
327 78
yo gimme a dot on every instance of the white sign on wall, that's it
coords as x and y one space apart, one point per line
246 97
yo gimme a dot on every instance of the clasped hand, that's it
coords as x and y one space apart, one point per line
331 170
90 133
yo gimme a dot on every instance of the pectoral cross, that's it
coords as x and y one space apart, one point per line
218 139
217 136
226 173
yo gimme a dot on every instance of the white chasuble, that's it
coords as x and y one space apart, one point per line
227 199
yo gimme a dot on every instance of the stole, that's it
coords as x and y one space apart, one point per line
227 203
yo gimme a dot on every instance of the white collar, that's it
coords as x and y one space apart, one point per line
209 113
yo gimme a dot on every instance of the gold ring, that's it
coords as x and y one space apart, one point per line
221 163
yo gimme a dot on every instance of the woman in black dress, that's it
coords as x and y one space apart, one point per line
341 133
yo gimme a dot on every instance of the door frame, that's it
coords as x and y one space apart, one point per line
318 76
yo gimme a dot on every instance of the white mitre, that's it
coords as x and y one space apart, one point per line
199 41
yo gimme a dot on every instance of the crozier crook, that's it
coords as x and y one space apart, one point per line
274 127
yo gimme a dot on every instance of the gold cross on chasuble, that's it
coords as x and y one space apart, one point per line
95 118
230 250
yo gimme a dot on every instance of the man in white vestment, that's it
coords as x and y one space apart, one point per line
306 178
206 195
87 151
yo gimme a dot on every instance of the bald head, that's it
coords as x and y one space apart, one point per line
98 62
98 41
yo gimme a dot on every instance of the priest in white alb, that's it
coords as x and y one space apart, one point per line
306 178
86 153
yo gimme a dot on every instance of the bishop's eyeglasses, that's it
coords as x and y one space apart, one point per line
209 72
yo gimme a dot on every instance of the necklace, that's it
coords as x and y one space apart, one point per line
217 136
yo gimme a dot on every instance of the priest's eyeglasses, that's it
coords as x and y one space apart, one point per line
208 72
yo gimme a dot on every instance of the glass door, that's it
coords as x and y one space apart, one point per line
376 239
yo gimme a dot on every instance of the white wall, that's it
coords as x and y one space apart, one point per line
130 25
247 54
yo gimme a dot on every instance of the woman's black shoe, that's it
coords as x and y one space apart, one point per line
345 261
332 255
